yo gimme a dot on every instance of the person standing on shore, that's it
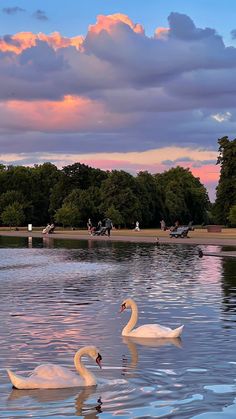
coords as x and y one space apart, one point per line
108 225
163 225
137 226
89 226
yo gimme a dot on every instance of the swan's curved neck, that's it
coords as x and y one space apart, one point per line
133 319
88 377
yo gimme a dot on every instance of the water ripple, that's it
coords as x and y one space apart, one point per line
64 298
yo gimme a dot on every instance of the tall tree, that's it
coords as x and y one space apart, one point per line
82 176
150 199
120 191
185 198
43 179
75 177
226 189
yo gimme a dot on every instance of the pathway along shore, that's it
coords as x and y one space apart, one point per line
197 237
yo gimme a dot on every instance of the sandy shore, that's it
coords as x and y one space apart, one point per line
200 236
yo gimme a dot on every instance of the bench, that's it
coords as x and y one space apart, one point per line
214 228
180 232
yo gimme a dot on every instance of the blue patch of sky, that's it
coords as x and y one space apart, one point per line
73 17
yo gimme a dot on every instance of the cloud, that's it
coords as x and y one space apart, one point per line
118 90
40 15
108 23
132 65
233 34
222 117
19 42
12 10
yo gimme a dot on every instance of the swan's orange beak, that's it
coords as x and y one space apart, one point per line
122 307
98 360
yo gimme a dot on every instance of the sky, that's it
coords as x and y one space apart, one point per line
118 84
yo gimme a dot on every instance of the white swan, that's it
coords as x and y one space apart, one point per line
55 376
147 330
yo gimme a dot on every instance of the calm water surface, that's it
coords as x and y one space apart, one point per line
57 296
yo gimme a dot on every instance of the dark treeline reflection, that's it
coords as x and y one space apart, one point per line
228 283
175 255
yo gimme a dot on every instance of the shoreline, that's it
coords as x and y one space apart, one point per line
197 237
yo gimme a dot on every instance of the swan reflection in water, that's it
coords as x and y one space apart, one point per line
90 410
132 343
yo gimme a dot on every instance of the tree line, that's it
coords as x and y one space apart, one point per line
71 195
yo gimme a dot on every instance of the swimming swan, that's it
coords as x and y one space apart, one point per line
147 330
55 376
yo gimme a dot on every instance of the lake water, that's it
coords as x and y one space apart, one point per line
57 296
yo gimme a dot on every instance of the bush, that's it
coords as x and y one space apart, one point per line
13 215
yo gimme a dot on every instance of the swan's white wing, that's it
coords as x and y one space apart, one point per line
148 330
156 330
47 376
50 371
55 376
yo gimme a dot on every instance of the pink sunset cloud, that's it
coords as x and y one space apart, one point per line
71 114
24 40
161 32
108 23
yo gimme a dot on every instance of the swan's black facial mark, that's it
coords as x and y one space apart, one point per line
123 307
98 360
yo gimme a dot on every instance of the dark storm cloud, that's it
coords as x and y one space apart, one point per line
182 27
12 10
40 15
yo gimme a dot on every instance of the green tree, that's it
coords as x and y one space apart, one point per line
13 215
10 197
150 199
232 215
18 178
67 215
115 216
58 193
87 202
82 176
185 198
226 189
43 179
76 177
120 190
